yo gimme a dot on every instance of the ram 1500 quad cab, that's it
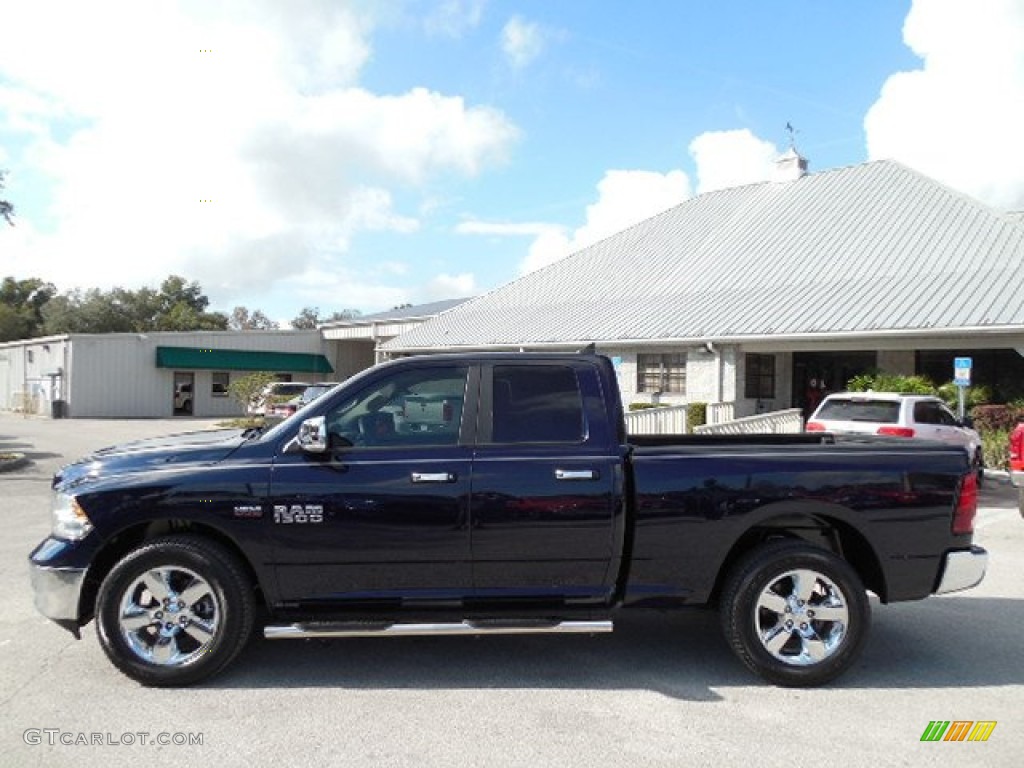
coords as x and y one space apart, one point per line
488 494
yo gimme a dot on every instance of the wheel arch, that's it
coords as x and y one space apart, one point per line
127 539
825 526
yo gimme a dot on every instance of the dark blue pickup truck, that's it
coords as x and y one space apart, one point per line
495 494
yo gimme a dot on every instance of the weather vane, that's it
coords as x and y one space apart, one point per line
792 135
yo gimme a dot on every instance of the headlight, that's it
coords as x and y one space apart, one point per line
69 519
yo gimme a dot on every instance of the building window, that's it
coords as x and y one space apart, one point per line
760 377
219 387
661 373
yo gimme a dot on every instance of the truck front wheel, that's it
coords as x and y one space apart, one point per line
795 614
174 611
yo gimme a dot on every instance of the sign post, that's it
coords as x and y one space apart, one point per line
962 379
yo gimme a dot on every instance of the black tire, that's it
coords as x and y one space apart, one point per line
786 641
193 630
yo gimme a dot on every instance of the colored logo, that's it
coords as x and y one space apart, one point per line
958 730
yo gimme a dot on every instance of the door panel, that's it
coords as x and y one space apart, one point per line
384 515
383 532
546 492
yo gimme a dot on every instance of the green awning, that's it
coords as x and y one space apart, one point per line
240 360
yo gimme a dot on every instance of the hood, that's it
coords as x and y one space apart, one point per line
205 447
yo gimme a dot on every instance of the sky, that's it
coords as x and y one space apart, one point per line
365 154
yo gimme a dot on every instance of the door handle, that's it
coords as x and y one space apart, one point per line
433 477
576 474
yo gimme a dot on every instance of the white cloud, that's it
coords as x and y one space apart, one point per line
453 18
444 286
625 198
547 248
960 117
522 41
628 197
731 158
230 142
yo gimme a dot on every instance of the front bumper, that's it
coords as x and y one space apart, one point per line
57 581
57 591
962 570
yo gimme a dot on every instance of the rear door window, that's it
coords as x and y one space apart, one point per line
927 413
537 404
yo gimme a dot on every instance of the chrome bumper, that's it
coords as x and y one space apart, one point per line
57 591
963 570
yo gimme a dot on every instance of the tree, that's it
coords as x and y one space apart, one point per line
244 320
247 390
6 209
89 311
21 304
177 306
181 306
309 318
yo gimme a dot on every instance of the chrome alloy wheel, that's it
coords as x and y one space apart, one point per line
169 616
801 617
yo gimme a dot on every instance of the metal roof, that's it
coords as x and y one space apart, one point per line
868 249
415 312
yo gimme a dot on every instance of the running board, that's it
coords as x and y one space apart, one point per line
526 627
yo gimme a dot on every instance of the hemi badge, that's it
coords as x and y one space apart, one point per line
248 511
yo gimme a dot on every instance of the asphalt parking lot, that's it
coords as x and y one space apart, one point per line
660 691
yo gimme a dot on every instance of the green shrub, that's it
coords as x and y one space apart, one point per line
995 444
973 396
696 415
891 382
995 418
647 406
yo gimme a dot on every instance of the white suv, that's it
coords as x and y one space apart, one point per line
890 413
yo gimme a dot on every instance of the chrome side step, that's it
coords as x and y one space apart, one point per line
527 627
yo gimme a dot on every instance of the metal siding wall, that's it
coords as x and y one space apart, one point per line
349 357
115 375
11 375
25 367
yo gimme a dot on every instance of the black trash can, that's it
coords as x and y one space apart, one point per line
59 409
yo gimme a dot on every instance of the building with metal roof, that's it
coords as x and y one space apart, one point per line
356 343
766 294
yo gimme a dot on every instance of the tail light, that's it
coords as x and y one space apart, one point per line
966 505
896 431
814 426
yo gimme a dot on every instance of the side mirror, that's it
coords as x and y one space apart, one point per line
968 422
313 435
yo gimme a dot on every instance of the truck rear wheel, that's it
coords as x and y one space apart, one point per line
795 614
174 611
